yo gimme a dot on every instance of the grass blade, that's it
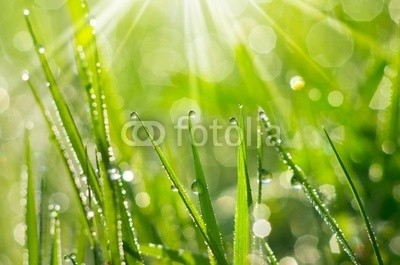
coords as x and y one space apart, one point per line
32 235
200 185
66 118
241 244
360 205
55 232
299 178
220 257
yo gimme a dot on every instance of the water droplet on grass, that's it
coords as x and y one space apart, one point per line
134 115
233 121
192 114
25 75
174 188
266 176
297 83
41 49
295 182
114 173
26 12
195 188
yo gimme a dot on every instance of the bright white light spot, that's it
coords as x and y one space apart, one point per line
262 39
335 98
42 50
297 83
4 100
93 22
26 12
142 199
127 175
25 75
261 228
365 10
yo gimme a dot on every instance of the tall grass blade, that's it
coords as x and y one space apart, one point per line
199 186
220 257
360 205
299 179
241 244
66 118
32 233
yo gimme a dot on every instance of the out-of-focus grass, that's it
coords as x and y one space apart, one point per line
350 87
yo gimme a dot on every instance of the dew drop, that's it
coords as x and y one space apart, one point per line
90 214
294 181
240 106
114 173
262 115
195 188
192 114
297 83
26 12
266 176
174 188
134 115
233 121
25 75
41 49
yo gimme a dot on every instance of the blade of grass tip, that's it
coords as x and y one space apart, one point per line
220 257
360 205
299 180
55 255
71 173
32 236
67 121
241 244
200 188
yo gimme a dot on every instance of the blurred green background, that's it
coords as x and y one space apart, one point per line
308 63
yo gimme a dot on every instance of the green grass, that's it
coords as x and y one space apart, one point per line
183 209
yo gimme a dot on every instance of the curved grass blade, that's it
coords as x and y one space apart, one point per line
311 194
32 234
241 244
360 205
67 120
200 184
220 257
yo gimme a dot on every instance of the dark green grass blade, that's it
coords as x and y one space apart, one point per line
241 244
360 205
309 191
206 207
32 236
67 120
220 257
